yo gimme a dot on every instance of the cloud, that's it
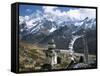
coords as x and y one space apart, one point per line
28 10
53 10
21 20
82 13
26 18
78 14
74 14
91 13
49 9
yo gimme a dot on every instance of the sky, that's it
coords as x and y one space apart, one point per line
71 12
29 9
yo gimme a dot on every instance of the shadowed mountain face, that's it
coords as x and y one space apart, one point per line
91 42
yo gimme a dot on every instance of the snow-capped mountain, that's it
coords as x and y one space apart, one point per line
48 23
43 27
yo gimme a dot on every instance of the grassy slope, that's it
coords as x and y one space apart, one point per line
32 56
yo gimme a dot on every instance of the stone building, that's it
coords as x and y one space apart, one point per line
51 53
